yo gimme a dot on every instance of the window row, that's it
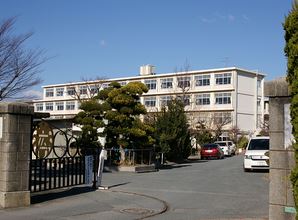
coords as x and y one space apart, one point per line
201 99
57 106
216 118
184 82
71 91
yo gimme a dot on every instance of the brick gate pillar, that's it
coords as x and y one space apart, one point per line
15 142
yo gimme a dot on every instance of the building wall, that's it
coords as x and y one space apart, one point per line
241 89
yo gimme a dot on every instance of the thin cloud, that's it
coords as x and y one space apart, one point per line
245 17
231 17
207 20
103 43
217 17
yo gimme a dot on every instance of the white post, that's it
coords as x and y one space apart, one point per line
102 158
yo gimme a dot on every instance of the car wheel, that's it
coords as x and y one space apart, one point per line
246 170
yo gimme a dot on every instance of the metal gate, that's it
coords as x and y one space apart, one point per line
57 160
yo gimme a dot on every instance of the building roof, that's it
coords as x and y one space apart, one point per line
255 72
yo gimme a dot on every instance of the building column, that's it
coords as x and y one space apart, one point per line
15 150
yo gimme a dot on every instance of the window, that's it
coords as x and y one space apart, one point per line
222 79
59 91
164 100
59 106
203 117
49 92
105 85
150 101
71 91
122 83
222 118
83 90
203 99
49 106
222 98
183 82
39 107
167 83
151 84
185 99
93 89
70 105
202 80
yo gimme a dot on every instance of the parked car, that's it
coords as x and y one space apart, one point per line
211 151
232 147
224 145
255 157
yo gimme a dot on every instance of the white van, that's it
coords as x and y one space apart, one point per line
255 157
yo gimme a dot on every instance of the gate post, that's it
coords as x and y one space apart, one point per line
15 142
282 158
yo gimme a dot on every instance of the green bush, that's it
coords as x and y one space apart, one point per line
242 142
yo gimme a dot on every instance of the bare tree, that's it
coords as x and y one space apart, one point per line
86 90
183 83
19 67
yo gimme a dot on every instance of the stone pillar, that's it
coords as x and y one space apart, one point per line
15 142
282 160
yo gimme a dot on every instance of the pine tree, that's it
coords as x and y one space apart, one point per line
124 128
172 134
291 51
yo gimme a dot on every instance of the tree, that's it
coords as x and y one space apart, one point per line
124 128
91 120
172 134
19 67
203 134
291 50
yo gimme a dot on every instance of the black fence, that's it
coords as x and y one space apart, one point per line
57 161
130 157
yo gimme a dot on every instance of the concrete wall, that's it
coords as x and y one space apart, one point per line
282 160
15 142
246 102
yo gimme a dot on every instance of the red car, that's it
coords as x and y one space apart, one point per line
211 151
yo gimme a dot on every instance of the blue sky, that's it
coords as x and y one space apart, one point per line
113 38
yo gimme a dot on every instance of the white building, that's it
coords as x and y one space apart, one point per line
233 93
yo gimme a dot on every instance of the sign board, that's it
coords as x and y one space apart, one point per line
88 169
288 136
290 210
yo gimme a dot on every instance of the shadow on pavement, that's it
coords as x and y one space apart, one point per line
119 184
59 193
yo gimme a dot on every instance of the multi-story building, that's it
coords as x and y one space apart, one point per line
231 95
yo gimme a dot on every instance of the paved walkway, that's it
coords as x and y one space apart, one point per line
84 203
